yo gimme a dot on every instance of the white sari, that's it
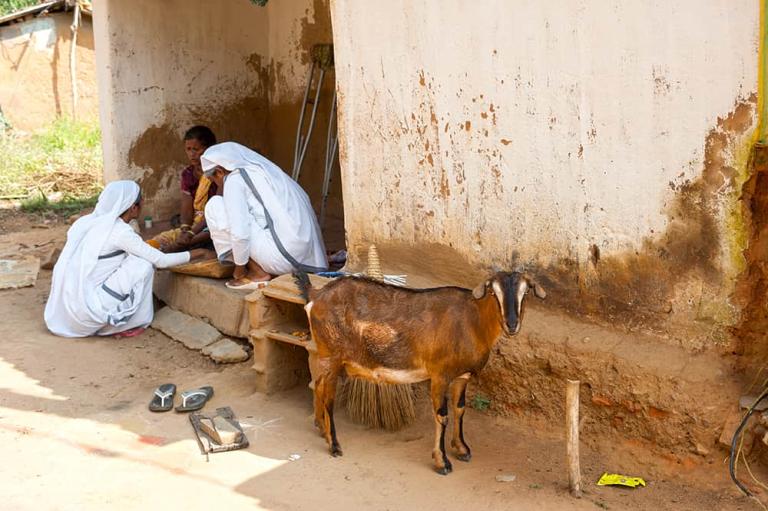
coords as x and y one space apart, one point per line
102 282
238 221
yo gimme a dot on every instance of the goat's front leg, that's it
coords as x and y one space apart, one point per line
458 399
439 395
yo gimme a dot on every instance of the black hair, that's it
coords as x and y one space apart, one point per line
203 134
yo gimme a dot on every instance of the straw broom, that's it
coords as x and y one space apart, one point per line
378 405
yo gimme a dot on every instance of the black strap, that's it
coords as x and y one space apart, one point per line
270 225
112 254
114 294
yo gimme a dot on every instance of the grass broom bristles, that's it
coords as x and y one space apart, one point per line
379 405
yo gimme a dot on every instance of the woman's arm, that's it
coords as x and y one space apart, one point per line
187 209
131 243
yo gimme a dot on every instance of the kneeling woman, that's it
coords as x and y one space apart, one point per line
102 282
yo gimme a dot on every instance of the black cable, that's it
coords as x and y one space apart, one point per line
734 441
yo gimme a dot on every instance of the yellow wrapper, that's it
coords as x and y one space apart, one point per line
618 479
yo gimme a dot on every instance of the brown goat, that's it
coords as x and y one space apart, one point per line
390 334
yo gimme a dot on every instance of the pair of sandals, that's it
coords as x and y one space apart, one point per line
191 400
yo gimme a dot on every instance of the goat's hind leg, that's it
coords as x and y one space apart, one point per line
325 394
439 396
458 401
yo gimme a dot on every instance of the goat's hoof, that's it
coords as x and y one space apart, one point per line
444 470
464 457
336 452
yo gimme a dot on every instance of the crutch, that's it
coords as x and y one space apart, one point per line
322 58
331 147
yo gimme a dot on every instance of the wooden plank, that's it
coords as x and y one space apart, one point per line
284 288
289 338
283 295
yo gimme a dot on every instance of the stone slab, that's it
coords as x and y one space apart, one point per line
16 273
225 351
205 298
193 333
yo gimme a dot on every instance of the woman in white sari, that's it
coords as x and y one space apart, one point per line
264 222
102 282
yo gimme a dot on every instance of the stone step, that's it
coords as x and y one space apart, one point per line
226 309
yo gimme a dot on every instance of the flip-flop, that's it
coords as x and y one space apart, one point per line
194 399
162 400
251 285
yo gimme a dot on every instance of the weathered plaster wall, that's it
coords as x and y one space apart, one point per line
598 143
35 81
229 64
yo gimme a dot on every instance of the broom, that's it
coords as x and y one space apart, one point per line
378 405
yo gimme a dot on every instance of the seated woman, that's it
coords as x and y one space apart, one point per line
102 282
196 189
264 222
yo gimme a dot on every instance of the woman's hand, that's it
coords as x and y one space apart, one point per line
184 239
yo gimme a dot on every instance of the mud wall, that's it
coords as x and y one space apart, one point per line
35 81
229 64
513 134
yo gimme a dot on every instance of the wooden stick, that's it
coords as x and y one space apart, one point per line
572 436
73 57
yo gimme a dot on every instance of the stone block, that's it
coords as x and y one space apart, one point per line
191 332
16 273
205 298
225 351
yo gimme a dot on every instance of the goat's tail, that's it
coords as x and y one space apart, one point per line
303 283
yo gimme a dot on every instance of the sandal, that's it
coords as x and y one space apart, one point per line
162 400
133 332
248 286
194 399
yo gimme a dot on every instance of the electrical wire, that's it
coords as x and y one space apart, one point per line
737 438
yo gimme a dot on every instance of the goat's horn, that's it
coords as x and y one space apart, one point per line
479 291
538 290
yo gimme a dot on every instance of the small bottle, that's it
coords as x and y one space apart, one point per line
148 222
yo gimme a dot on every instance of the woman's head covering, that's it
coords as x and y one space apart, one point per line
229 155
85 240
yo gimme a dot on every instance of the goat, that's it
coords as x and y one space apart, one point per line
390 334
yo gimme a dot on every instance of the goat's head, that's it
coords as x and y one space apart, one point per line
510 290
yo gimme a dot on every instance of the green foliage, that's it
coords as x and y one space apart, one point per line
60 164
66 206
480 402
11 6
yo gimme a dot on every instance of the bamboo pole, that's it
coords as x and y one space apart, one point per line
572 436
73 57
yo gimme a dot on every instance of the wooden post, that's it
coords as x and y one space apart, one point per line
73 57
572 436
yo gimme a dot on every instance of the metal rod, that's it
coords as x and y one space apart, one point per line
331 146
305 143
299 137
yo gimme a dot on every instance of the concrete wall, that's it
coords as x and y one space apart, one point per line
236 67
601 144
35 81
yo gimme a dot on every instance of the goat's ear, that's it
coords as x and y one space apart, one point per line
479 291
538 290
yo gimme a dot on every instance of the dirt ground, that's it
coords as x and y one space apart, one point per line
75 433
